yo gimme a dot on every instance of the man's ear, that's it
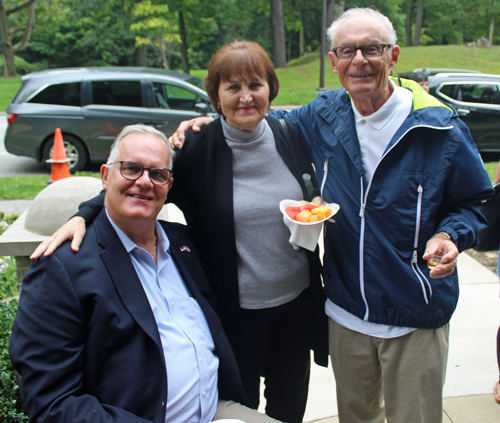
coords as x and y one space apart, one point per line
331 55
170 183
395 55
104 176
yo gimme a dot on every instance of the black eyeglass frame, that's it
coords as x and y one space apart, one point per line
356 48
149 169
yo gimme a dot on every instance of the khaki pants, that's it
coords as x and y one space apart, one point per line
234 410
405 373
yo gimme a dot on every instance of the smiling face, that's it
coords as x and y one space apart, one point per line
133 204
366 79
244 103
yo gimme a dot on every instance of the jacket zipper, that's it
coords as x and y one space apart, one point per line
361 250
362 209
325 174
414 261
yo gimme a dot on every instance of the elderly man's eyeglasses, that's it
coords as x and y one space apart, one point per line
348 51
133 171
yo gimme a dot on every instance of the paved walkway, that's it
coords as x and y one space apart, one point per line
472 366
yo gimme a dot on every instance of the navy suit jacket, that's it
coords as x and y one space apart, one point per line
85 339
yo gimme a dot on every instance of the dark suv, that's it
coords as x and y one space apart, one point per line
92 105
476 98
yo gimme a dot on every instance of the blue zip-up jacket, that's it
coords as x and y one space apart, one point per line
430 179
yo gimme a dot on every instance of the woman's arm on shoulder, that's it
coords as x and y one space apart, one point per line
73 229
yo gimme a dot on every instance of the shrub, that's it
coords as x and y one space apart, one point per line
12 407
23 67
8 281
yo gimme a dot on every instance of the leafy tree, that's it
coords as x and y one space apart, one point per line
87 33
8 33
158 28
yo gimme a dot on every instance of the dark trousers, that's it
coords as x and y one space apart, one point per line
277 345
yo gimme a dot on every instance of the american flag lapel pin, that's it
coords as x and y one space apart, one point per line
185 248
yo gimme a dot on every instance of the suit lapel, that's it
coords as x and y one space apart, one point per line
124 277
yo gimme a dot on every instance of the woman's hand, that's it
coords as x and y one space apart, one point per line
73 229
177 139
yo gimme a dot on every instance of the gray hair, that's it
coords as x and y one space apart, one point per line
361 11
141 129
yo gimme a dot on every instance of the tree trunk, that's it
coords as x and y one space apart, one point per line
409 23
140 56
184 48
278 30
9 68
492 25
27 30
338 7
329 13
418 22
220 32
301 34
6 47
163 56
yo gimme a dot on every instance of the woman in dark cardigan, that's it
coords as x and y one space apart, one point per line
228 181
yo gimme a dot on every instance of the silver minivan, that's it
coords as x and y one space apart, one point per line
92 105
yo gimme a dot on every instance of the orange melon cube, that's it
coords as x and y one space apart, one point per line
303 216
314 218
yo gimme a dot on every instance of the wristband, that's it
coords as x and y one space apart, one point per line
446 234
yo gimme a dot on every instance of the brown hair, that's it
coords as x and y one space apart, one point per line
245 59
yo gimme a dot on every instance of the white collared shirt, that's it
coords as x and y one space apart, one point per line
376 131
186 339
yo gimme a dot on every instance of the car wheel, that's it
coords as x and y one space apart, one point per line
75 152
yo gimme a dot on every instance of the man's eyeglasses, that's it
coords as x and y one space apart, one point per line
348 51
133 171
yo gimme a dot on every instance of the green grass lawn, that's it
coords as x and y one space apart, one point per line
27 187
8 89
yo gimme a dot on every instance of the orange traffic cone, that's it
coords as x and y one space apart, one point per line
60 169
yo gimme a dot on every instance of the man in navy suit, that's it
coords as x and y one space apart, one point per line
125 331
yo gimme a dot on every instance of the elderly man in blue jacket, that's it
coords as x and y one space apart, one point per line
410 182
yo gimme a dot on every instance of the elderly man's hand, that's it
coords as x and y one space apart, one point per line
73 229
177 139
440 242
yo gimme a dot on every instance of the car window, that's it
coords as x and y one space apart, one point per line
472 93
60 94
117 93
168 96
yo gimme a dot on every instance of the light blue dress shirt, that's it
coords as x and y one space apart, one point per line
187 343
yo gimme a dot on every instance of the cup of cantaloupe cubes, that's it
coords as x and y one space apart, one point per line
304 212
